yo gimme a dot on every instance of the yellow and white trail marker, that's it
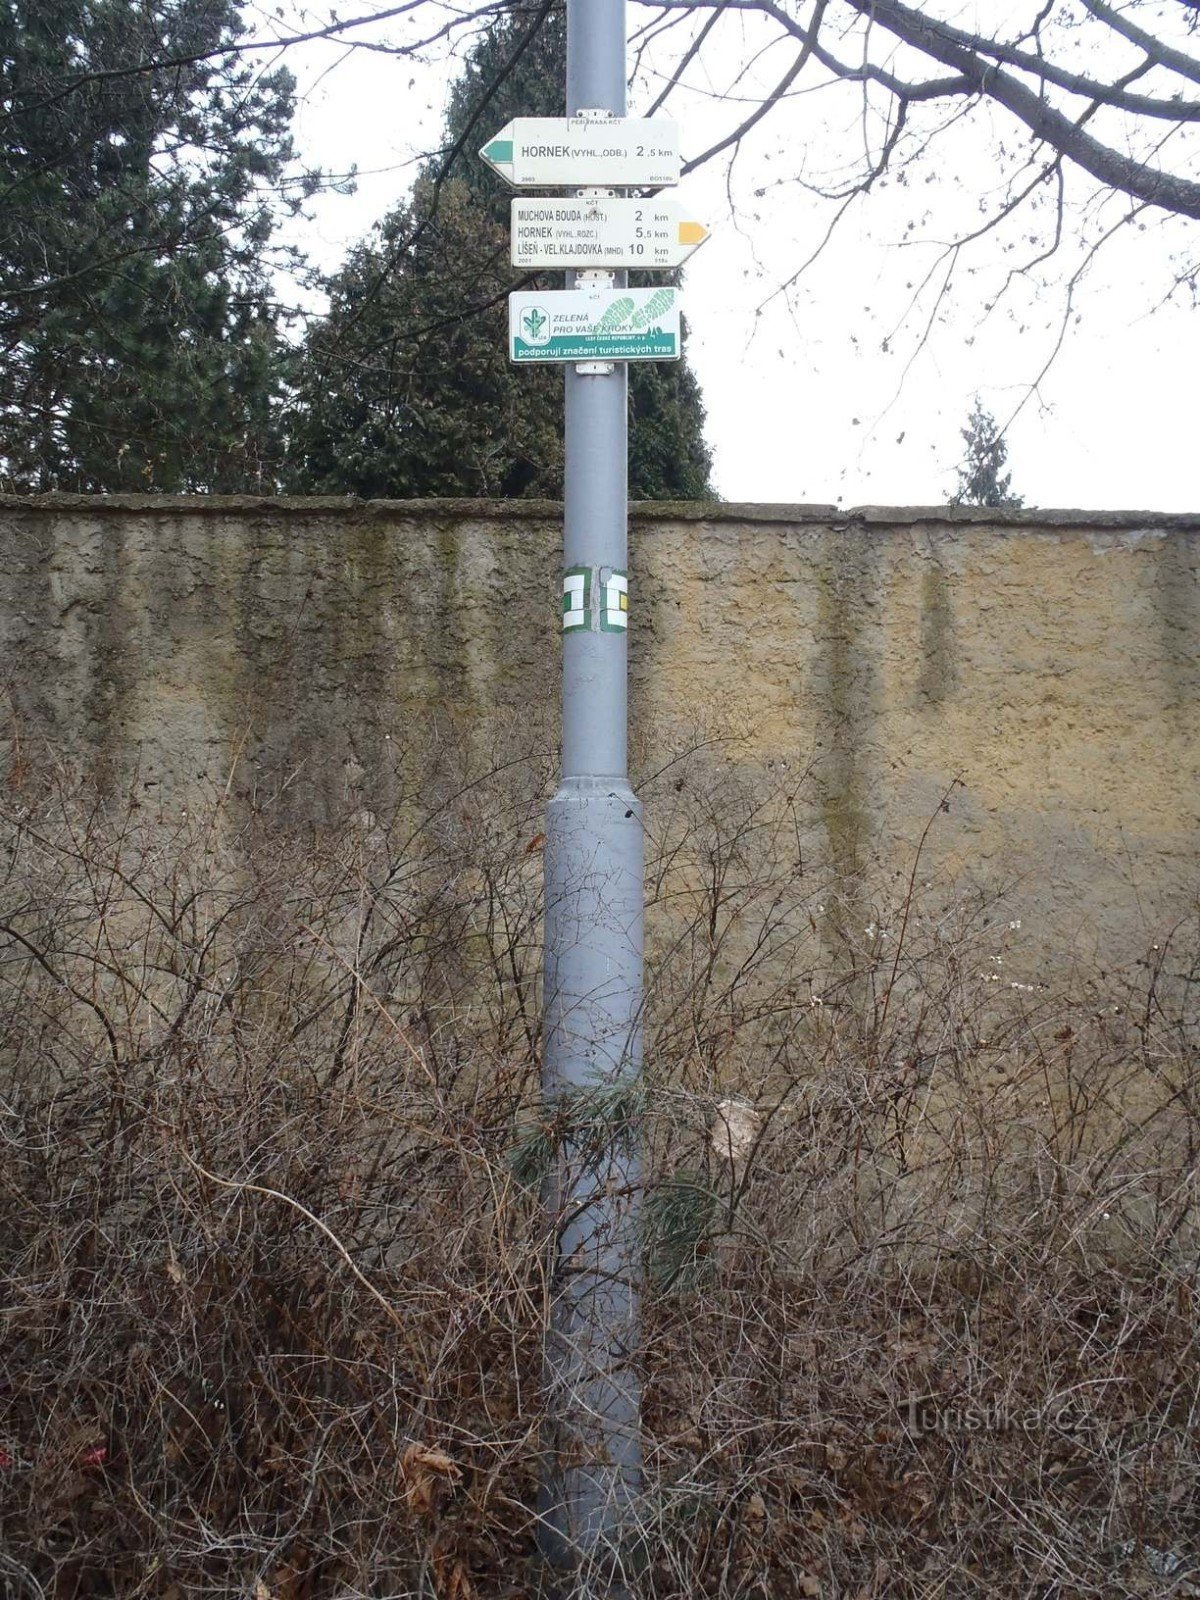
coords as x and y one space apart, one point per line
606 233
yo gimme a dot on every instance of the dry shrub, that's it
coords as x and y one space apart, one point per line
921 1247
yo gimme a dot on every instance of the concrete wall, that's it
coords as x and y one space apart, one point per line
283 651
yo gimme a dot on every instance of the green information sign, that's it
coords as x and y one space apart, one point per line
594 325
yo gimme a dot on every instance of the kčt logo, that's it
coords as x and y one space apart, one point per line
535 326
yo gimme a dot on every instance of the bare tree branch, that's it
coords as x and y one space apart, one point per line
1110 166
771 100
1161 54
977 63
1174 110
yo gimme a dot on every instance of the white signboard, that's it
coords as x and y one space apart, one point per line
654 233
594 325
624 152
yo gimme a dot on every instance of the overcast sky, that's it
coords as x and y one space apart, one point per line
853 384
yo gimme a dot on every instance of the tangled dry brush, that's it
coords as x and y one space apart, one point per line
921 1247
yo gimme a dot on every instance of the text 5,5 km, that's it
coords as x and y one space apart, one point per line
606 232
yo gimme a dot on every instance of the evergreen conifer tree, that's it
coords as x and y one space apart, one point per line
138 341
405 386
982 480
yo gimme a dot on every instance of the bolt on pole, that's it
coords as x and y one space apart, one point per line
593 960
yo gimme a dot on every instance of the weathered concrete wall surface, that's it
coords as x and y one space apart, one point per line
283 651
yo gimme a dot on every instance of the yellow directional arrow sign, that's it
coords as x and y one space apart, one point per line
579 233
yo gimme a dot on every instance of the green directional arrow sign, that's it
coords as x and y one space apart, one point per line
627 152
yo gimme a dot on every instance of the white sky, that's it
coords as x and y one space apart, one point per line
804 403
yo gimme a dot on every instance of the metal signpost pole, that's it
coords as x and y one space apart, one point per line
593 960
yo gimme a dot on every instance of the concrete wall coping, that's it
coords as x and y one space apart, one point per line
1030 519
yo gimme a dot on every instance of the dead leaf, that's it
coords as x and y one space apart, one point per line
423 1470
451 1578
293 1580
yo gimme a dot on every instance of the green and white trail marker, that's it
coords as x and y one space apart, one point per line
594 324
625 152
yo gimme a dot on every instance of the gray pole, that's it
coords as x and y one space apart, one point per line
593 967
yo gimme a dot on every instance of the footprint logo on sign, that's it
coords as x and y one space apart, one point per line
656 307
535 326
